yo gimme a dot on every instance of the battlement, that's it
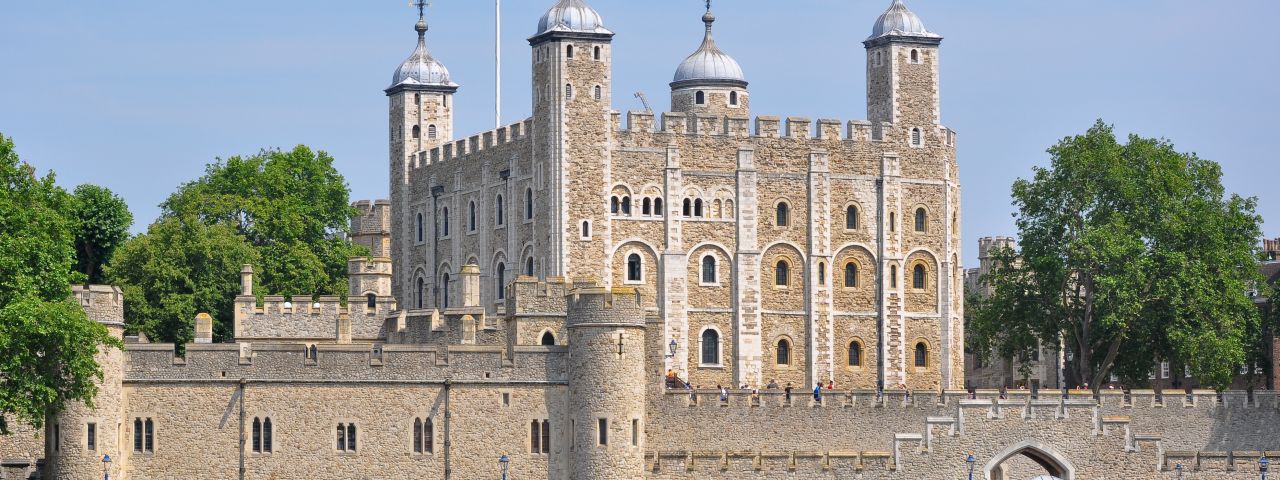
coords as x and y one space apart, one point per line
589 303
765 127
476 143
988 245
103 303
373 217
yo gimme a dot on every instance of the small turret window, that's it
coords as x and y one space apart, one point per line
783 214
568 51
528 204
548 339
597 53
700 98
417 131
634 270
500 216
431 131
733 98
916 138
915 56
599 92
568 91
586 230
471 217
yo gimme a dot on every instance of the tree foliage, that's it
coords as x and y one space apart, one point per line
102 224
48 342
1130 253
286 212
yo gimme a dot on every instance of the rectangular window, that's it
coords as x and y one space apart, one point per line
57 437
91 436
635 432
546 436
137 434
535 436
603 429
506 399
150 437
573 434
1164 369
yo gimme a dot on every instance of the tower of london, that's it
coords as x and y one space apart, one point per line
596 294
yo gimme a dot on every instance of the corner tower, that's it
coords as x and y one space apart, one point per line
902 70
572 117
710 82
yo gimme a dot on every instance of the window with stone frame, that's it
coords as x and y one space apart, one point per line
783 214
499 213
783 353
851 218
850 275
918 277
635 270
922 218
709 269
855 354
710 347
781 274
922 355
699 98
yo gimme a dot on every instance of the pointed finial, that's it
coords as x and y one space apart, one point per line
708 18
421 27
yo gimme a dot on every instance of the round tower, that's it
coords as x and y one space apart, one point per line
709 81
606 383
79 436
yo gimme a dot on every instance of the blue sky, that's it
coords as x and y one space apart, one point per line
139 96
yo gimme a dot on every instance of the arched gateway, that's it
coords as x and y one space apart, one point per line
1055 465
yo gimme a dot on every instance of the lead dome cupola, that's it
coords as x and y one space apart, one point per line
898 20
422 69
572 16
709 64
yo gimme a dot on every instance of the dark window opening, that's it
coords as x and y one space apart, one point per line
634 272
710 347
784 352
548 339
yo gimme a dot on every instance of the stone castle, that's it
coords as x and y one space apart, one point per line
525 299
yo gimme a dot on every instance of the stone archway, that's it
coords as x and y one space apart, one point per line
1053 463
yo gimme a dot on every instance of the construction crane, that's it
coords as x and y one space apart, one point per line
645 101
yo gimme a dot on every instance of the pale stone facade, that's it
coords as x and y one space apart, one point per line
531 337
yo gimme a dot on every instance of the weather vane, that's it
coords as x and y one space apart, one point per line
422 4
708 5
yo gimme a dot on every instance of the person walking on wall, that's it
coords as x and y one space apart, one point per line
817 392
788 392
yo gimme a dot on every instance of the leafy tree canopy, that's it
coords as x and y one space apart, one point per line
1131 253
48 342
102 224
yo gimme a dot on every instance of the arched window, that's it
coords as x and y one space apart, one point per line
371 301
688 207
784 352
710 347
420 227
568 51
568 91
428 436
921 216
634 272
431 131
421 293
915 137
709 269
697 207
614 205
444 290
586 229
917 277
501 281
893 276
922 355
784 214
699 98
733 98
850 275
266 435
546 436
471 216
599 93
548 338
626 205
851 218
417 435
528 204
893 222
417 131
657 208
528 266
597 53
257 435
417 98
646 206
444 221
499 214
822 273
781 273
351 437
855 354
915 56
342 437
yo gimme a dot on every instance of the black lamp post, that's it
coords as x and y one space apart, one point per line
504 461
1262 466
671 347
970 460
106 464
1178 468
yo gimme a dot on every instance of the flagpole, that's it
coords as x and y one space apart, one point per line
497 51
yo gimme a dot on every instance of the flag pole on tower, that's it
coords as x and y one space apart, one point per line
497 70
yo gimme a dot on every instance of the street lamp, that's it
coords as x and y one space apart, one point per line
970 461
106 462
1178 468
504 461
1262 466
672 348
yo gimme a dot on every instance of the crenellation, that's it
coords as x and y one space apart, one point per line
828 129
767 126
674 122
798 127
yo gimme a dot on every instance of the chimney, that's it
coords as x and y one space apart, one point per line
470 285
246 280
204 328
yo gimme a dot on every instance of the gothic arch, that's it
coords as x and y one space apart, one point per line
1044 455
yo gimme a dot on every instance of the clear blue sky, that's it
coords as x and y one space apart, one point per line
139 96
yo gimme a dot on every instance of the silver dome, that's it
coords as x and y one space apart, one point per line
572 16
421 68
898 20
709 62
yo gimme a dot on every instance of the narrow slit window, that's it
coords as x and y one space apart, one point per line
500 281
597 53
546 436
586 229
599 92
500 215
528 204
603 430
417 435
417 131
149 439
91 436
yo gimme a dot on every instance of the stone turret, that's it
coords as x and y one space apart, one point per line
606 383
79 436
1272 248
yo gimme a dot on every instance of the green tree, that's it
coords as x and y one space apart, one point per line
1131 253
179 268
48 342
102 224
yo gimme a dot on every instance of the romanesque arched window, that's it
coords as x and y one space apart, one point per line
922 355
422 290
444 290
921 217
697 207
615 205
626 205
597 53
471 216
783 216
548 338
915 56
781 273
851 218
699 98
850 275
784 352
568 51
646 206
917 277
500 281
733 98
499 213
419 225
916 137
599 92
528 204
586 230
688 207
528 266
657 208
431 131
634 270
855 354
709 269
710 347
